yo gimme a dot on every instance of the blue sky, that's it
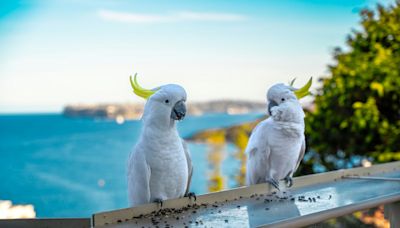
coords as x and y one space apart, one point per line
54 53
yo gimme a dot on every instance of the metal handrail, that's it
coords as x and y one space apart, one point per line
230 196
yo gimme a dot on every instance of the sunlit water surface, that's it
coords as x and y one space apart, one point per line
76 167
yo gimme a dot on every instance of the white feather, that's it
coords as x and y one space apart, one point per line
158 166
276 144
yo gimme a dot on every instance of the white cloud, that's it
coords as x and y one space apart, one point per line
130 17
110 15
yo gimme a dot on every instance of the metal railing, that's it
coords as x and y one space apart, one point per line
312 199
332 194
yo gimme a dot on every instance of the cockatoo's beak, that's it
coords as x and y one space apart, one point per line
138 90
303 91
270 105
178 111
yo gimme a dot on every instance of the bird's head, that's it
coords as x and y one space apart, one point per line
165 104
281 94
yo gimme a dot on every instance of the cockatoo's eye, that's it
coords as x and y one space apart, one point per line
283 99
167 101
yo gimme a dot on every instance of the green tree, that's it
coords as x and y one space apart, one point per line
357 108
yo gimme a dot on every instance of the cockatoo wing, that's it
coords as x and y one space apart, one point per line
301 155
258 154
139 173
189 164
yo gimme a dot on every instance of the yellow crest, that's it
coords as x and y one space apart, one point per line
138 90
303 91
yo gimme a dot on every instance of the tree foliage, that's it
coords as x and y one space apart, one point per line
357 108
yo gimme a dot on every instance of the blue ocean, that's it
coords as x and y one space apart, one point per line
76 167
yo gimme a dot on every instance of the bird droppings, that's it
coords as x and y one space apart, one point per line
190 214
302 199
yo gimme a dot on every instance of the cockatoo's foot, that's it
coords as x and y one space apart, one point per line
159 202
274 183
191 195
289 181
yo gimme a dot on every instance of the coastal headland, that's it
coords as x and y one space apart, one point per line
123 111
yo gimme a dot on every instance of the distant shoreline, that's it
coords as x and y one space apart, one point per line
129 111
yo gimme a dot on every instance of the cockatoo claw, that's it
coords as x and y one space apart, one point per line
159 202
274 183
289 181
191 195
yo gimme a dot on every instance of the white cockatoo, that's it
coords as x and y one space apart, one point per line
159 167
277 144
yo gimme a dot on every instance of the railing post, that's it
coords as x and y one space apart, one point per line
392 213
